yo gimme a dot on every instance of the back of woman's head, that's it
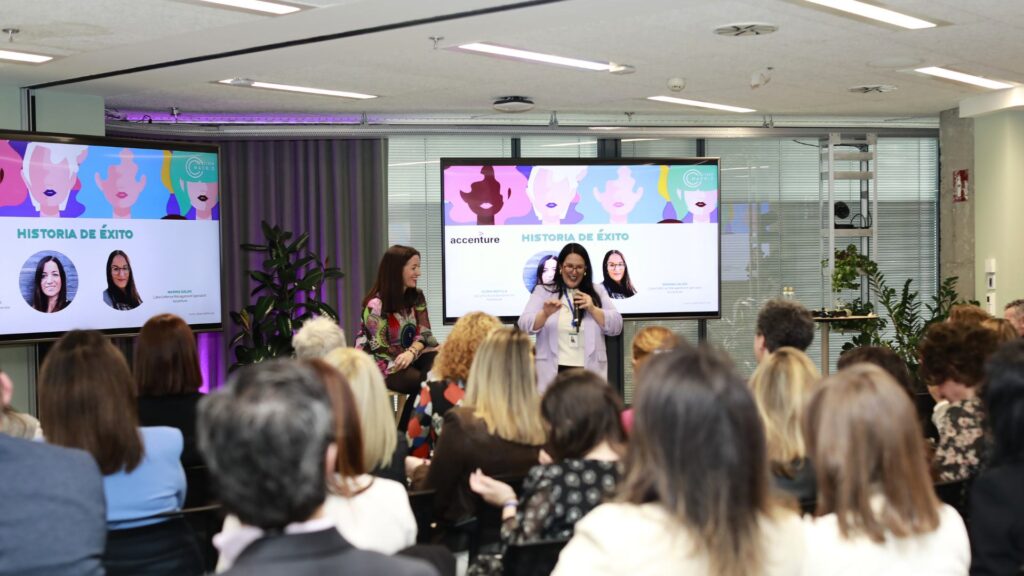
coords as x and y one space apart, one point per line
955 351
1002 328
651 339
884 358
866 443
782 384
348 433
581 411
370 392
502 387
1003 395
697 449
968 314
87 400
166 362
456 355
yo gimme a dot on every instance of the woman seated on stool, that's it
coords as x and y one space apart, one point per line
585 441
498 429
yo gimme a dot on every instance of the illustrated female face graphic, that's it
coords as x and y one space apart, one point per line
550 267
619 197
50 184
120 271
49 281
484 197
411 272
553 192
203 196
573 270
616 268
701 203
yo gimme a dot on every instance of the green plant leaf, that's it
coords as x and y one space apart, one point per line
312 280
333 273
299 243
254 247
262 308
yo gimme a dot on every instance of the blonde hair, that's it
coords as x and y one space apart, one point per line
782 386
1004 330
651 339
375 416
456 356
502 387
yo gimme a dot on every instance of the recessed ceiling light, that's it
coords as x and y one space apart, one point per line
875 13
289 88
257 5
24 57
965 78
699 104
506 52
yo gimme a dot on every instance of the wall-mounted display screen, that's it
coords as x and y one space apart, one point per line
103 234
650 226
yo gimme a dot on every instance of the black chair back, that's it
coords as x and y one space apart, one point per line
422 504
956 494
533 559
167 548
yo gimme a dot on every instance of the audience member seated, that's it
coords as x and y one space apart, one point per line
383 451
585 440
997 498
317 337
877 512
451 368
54 518
695 497
1014 312
782 384
168 379
647 341
1005 332
12 422
782 323
498 429
952 359
967 314
268 438
87 401
371 513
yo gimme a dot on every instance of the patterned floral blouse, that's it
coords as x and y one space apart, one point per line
963 446
434 400
385 337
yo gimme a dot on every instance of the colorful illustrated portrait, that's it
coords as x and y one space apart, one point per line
621 195
484 195
13 191
540 269
49 172
192 176
123 183
553 192
48 281
692 192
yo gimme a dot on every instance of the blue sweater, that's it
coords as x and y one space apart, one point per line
156 485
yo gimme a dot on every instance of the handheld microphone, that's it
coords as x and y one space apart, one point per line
576 309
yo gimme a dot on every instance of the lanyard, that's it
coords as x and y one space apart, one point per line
572 312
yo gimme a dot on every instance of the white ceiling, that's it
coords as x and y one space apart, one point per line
816 54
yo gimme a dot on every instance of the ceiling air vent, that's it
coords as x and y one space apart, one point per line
746 29
513 104
872 89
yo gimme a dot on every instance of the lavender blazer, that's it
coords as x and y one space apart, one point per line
595 357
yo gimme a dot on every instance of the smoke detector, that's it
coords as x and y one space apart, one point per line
513 104
746 29
872 89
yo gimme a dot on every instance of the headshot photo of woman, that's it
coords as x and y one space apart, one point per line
539 269
616 276
570 317
120 293
50 290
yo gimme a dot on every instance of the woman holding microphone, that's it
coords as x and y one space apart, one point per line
570 318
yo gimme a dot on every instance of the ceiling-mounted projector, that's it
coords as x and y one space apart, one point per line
513 104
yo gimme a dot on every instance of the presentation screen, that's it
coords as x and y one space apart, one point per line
650 227
103 234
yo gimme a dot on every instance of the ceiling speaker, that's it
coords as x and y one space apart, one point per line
513 104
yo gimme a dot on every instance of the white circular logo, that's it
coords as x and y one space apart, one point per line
692 178
194 166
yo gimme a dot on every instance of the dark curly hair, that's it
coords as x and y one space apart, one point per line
785 323
955 351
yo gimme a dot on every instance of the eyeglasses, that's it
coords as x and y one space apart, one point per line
571 268
120 270
616 265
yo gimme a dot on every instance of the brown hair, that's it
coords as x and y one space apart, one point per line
882 357
86 401
955 351
389 285
166 361
968 314
782 384
456 355
865 439
581 411
651 339
347 428
1003 329
698 451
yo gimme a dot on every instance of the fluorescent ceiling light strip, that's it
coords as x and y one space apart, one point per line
584 143
24 57
415 163
639 139
699 104
875 13
301 89
535 56
257 5
965 78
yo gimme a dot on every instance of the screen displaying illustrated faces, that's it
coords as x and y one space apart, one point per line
651 226
102 235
